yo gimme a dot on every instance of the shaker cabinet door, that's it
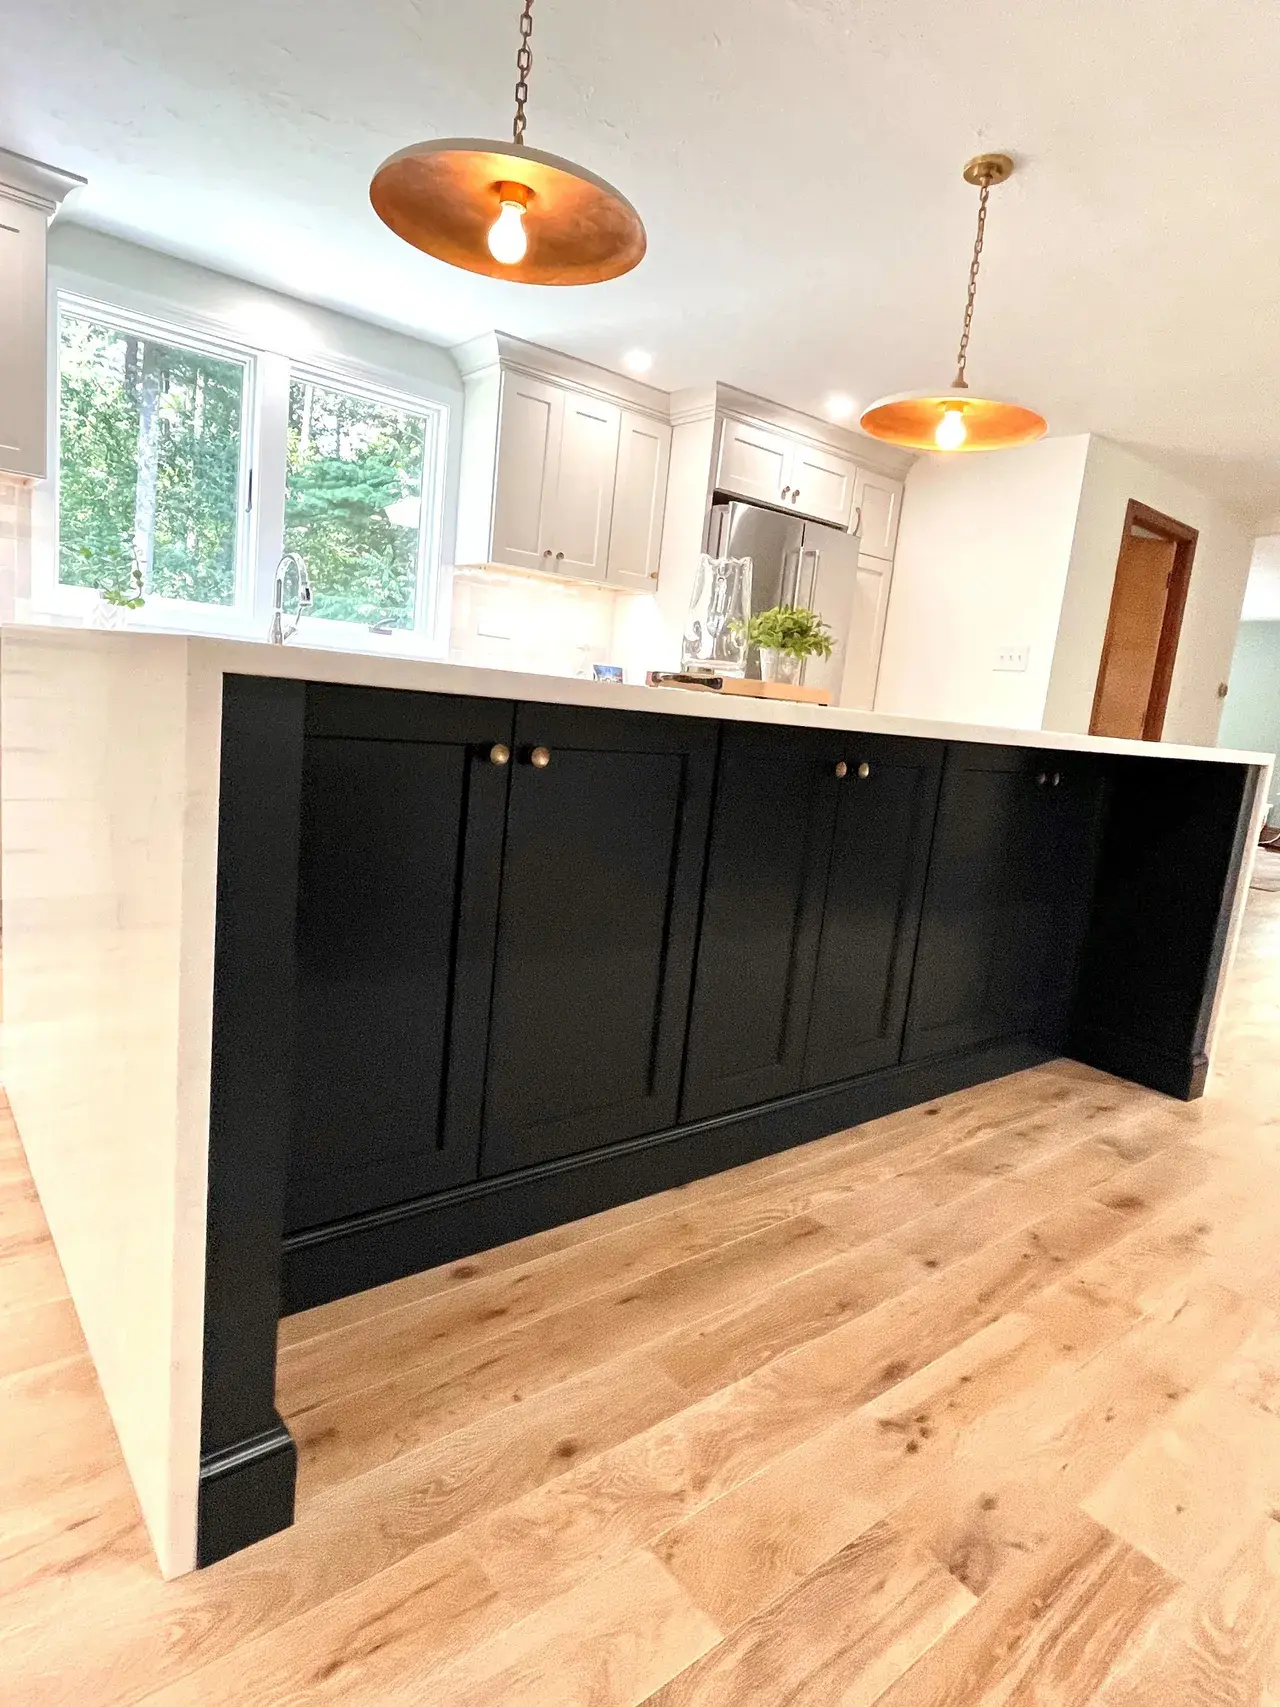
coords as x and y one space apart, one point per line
761 917
401 837
871 914
581 516
530 423
1006 904
601 873
878 501
822 484
754 463
639 498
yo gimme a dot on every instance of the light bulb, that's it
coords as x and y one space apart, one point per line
951 431
508 239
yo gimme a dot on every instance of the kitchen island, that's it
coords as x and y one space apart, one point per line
323 969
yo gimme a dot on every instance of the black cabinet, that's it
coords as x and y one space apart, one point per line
401 839
818 852
605 844
1007 898
871 913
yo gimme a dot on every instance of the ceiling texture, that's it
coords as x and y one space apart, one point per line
797 164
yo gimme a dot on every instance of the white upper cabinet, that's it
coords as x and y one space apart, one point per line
754 463
530 426
579 519
879 498
29 194
822 484
639 498
772 467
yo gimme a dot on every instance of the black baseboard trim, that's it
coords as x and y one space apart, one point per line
324 1263
1177 1075
246 1493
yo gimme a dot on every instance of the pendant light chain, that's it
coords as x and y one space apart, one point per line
962 355
524 64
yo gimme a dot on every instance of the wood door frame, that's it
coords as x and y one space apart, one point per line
1184 540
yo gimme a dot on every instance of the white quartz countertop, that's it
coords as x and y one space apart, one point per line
294 662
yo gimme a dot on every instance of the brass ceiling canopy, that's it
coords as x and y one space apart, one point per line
506 210
951 418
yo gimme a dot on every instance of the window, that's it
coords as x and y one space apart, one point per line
353 503
151 453
186 466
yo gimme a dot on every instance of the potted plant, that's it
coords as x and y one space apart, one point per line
786 635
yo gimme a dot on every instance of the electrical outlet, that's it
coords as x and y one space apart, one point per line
1013 658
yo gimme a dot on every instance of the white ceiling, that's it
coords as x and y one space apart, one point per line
797 163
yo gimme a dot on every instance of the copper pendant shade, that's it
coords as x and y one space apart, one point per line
952 419
509 211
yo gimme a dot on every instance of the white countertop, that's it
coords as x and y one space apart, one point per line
293 662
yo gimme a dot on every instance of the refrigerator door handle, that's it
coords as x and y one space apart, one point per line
811 585
790 588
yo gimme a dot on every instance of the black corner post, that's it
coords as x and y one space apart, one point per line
248 1461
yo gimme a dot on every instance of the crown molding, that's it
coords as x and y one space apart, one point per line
502 349
34 182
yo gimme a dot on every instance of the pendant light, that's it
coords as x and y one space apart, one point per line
505 210
955 420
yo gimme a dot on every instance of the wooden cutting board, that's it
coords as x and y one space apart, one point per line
739 685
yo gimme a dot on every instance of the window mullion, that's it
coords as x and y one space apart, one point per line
271 445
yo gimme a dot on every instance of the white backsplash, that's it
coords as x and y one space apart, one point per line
15 544
502 619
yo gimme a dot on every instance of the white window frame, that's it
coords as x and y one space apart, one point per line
324 631
263 470
186 615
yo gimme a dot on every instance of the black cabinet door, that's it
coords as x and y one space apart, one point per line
886 803
402 811
601 874
1007 897
775 804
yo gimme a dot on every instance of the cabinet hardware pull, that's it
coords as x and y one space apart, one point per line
864 770
540 758
842 769
1042 779
499 754
1057 778
795 496
559 556
785 490
653 574
547 552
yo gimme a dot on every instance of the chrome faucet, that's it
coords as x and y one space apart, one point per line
279 633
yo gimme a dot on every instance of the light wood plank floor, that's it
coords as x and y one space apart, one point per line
978 1404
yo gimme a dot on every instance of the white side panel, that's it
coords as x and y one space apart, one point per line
479 468
639 495
110 785
529 434
23 348
683 527
866 634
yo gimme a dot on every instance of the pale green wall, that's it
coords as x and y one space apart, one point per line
1251 717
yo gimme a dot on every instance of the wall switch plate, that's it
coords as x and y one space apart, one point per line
1013 658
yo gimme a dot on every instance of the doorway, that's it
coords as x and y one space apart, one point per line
1153 572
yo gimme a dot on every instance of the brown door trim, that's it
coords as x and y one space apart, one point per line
1185 539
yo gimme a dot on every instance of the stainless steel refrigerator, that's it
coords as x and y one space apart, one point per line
793 562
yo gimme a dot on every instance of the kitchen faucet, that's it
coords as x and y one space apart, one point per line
279 634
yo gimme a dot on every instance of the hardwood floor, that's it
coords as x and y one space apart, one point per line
975 1405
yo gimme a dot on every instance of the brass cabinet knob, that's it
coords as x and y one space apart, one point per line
559 556
1056 778
547 552
785 491
540 758
499 754
795 495
864 770
842 769
1042 779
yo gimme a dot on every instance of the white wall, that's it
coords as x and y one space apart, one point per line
982 559
1112 476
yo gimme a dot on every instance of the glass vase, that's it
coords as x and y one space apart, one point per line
777 666
715 630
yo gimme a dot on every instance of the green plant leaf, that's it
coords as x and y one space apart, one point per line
793 629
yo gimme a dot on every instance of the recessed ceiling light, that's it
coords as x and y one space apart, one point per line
840 407
637 361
